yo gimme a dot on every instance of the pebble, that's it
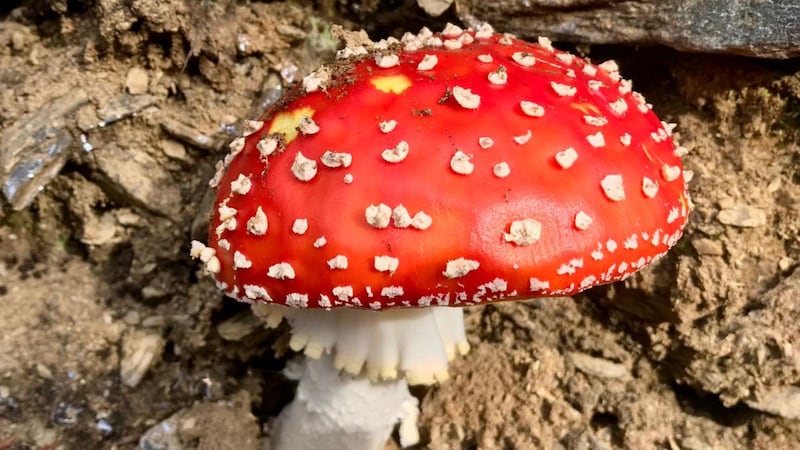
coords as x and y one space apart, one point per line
131 318
44 372
173 149
744 216
774 185
705 246
86 118
154 292
228 120
127 217
140 350
154 321
599 367
434 8
18 41
185 83
100 231
136 81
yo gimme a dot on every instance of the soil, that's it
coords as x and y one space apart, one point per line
110 339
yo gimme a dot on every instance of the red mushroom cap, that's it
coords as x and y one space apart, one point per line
447 169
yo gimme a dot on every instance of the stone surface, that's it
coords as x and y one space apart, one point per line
124 106
189 135
763 28
136 176
34 148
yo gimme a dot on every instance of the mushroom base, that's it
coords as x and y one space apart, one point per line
339 411
415 343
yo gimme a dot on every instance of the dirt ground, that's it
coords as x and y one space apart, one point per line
109 339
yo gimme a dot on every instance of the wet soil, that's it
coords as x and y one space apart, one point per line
108 336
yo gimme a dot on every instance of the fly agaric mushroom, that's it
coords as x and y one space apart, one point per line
414 177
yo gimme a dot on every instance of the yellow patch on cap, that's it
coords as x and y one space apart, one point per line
587 109
395 84
286 122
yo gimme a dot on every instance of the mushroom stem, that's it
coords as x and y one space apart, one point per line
415 343
341 411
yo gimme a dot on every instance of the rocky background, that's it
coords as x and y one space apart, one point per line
113 112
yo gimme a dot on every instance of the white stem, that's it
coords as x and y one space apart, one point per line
341 412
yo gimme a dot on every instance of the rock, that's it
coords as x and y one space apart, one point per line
34 148
743 216
759 358
174 150
86 117
102 230
706 246
154 322
763 28
163 436
137 80
152 293
783 401
599 367
228 120
19 40
124 106
189 135
44 372
139 351
434 8
131 318
227 425
127 217
239 326
138 178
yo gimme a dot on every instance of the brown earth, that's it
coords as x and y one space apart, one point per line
106 330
